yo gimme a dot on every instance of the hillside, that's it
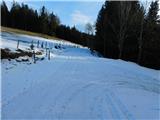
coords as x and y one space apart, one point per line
19 31
74 84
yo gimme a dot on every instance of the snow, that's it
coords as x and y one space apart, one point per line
75 84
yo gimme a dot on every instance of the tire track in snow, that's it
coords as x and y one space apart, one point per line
121 106
112 107
115 105
50 87
61 82
97 105
72 96
100 108
30 89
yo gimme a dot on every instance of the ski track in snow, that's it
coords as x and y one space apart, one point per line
76 85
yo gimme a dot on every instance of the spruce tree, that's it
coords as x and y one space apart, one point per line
4 14
100 32
152 16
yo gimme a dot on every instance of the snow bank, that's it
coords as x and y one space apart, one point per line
74 84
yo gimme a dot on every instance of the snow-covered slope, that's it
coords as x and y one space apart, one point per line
74 84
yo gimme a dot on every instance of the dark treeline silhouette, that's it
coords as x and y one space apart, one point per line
124 29
23 17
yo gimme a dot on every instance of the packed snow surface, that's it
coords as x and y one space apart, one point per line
75 84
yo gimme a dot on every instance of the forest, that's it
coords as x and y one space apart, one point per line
127 30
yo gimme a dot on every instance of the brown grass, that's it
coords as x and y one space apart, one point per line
18 31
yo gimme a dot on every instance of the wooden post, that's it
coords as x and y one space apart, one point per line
38 44
34 57
32 46
42 45
46 45
18 44
49 55
46 52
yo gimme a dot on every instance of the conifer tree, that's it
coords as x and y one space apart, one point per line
4 14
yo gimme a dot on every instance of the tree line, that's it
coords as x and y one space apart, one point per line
25 18
128 30
124 29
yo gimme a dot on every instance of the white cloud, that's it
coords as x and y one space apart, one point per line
79 18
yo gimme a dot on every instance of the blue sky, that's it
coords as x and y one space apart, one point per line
71 13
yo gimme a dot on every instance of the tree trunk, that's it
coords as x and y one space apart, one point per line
49 54
124 10
18 44
120 50
140 42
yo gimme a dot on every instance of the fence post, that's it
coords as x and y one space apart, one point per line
34 57
17 44
49 55
32 46
46 51
42 45
46 45
38 44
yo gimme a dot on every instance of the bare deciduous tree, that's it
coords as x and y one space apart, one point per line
120 30
124 10
90 30
140 41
